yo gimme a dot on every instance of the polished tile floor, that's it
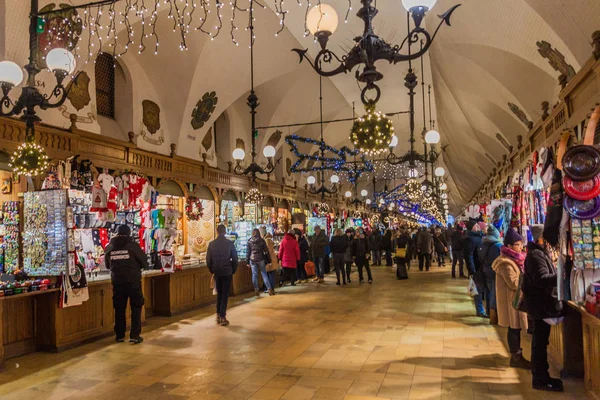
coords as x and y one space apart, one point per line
415 339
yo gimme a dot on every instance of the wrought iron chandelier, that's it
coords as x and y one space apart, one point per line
369 48
269 151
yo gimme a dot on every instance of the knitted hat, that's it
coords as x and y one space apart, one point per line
536 231
493 232
512 237
470 224
124 230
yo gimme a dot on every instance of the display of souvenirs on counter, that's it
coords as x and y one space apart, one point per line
586 243
243 232
9 237
25 286
45 233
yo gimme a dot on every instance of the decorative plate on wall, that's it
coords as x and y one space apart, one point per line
204 109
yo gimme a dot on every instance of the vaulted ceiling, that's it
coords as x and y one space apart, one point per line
485 60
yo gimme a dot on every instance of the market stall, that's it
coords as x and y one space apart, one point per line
229 210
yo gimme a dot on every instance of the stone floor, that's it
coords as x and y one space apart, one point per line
415 339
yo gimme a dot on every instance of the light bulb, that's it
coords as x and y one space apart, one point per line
348 194
443 186
10 73
364 193
432 137
239 154
269 152
368 201
322 18
410 4
381 201
311 180
60 60
440 171
334 179
412 173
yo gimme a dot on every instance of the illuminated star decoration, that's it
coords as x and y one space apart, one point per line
335 160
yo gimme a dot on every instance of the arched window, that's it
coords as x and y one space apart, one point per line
105 85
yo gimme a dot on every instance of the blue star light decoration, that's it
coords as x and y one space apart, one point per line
332 160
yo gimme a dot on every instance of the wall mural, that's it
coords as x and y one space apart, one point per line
79 97
521 115
204 109
151 121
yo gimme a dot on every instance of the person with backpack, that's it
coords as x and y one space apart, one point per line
375 242
471 243
126 260
487 253
258 258
387 245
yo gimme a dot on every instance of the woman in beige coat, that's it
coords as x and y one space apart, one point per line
273 266
508 268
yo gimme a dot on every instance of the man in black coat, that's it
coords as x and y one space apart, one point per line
457 252
360 252
541 300
222 262
126 260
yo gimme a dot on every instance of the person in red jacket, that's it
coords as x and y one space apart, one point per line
289 254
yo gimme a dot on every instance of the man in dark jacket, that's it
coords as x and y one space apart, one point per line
541 300
222 262
304 248
471 243
441 246
126 260
424 248
387 246
318 247
360 252
338 246
375 245
457 252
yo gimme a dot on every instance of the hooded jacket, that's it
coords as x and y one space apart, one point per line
304 249
360 247
439 242
257 247
125 259
470 245
488 252
222 257
289 251
540 284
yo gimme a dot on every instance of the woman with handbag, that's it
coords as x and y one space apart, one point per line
403 256
509 267
289 254
258 258
441 247
273 266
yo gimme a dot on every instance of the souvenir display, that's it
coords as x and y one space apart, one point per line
230 212
9 230
201 232
586 243
314 221
45 233
243 233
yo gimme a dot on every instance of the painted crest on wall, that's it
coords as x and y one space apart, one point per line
274 138
151 121
204 109
239 144
79 91
60 30
288 166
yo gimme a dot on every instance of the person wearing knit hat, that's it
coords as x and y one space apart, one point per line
508 268
472 242
487 253
541 299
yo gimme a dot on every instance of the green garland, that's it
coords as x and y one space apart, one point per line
29 160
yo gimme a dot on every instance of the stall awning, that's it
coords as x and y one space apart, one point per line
171 188
204 193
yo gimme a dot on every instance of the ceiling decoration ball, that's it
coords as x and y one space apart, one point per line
253 196
372 133
323 208
29 160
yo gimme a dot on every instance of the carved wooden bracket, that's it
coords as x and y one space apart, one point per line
173 150
545 110
519 141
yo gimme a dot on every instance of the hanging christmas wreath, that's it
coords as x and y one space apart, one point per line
29 160
372 133
193 208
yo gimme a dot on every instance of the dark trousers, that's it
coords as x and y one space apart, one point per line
376 257
121 293
401 262
513 337
348 269
388 258
223 284
490 288
271 275
424 259
458 257
300 271
288 273
360 263
441 258
319 267
539 351
338 262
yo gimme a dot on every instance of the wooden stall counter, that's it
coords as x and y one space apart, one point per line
242 280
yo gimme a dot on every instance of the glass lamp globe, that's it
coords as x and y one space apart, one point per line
444 196
60 60
239 154
364 193
410 4
311 180
348 194
269 152
334 179
443 186
440 171
432 137
10 73
381 201
394 141
412 173
322 18
368 201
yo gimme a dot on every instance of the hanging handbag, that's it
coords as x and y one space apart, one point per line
401 252
518 301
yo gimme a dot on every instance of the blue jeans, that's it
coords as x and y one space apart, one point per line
320 267
262 267
271 275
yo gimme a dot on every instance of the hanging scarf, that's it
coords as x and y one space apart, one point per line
518 258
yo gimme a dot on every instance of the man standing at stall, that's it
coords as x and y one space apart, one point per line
125 260
222 262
